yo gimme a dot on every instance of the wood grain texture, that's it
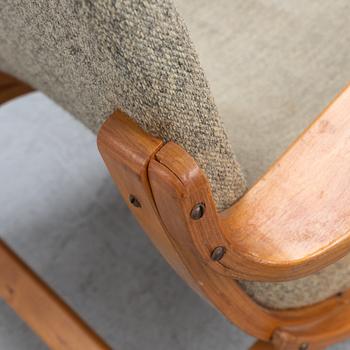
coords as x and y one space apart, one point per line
297 216
254 220
58 326
167 183
296 219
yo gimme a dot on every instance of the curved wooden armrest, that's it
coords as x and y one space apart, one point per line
296 218
294 221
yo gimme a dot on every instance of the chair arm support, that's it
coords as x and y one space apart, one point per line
293 222
296 218
161 185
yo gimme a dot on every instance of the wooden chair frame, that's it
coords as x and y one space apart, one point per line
280 230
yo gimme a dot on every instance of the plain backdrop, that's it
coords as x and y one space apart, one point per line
61 212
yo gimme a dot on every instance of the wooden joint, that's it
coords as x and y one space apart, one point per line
178 186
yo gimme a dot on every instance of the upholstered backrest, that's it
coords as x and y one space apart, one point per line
93 57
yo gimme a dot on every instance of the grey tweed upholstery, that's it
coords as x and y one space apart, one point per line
93 57
272 67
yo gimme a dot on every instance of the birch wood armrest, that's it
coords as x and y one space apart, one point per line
296 218
294 221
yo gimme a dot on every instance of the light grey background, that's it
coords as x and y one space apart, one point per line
62 214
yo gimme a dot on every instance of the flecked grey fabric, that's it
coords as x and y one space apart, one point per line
273 66
302 292
93 57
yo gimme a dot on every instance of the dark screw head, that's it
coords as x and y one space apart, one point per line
304 346
134 201
198 211
218 253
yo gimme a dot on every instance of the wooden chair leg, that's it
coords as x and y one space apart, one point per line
48 316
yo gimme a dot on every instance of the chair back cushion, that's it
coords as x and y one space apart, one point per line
93 57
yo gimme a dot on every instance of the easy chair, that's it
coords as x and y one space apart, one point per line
272 259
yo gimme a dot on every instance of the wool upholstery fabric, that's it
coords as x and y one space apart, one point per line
93 57
273 66
264 60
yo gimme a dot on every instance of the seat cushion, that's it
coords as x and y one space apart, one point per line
273 66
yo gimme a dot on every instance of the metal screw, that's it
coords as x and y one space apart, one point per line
198 211
134 201
218 253
304 346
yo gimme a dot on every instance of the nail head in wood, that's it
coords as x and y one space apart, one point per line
198 211
218 253
134 201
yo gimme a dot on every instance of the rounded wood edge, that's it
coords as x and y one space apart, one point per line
209 232
295 219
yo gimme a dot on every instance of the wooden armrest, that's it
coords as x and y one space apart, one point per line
296 218
294 221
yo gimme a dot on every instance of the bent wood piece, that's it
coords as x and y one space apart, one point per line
296 219
177 186
134 161
49 317
11 88
126 150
